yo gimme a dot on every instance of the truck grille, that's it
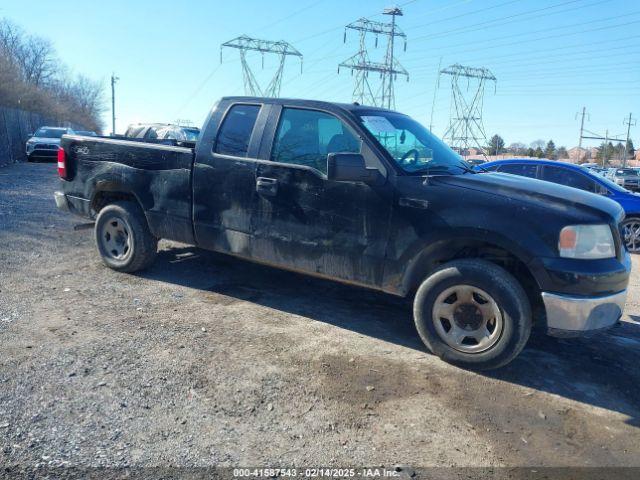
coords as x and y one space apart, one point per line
46 146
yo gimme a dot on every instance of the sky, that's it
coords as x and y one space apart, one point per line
551 58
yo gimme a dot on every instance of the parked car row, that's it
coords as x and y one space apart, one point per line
586 179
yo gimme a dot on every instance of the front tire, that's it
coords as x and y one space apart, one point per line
123 238
473 313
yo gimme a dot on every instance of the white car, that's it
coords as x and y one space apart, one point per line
43 145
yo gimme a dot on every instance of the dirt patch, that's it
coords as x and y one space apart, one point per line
207 360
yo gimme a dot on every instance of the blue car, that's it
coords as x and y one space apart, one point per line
577 177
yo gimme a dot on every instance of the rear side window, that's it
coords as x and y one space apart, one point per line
235 133
569 178
521 169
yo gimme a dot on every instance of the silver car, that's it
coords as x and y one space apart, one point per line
43 145
627 178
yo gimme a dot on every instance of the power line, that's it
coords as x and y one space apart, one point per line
469 28
492 58
630 122
287 17
455 17
562 35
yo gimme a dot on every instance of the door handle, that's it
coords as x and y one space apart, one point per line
267 186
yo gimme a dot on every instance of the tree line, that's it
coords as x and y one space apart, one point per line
32 78
542 149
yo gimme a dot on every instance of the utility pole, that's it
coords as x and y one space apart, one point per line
596 136
628 122
584 111
114 79
435 90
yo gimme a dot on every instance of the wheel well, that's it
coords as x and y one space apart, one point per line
492 253
103 198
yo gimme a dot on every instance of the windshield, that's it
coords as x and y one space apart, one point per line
626 172
50 132
413 147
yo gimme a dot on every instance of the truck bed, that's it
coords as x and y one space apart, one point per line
159 176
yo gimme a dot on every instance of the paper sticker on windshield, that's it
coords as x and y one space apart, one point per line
378 124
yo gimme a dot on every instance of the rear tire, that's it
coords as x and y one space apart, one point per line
123 238
473 313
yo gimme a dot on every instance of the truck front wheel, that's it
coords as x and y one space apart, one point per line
123 237
473 313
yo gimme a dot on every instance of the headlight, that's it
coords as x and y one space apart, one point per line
586 242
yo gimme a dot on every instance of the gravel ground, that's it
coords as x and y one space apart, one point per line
206 360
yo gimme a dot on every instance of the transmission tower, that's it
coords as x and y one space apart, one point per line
361 65
466 128
282 49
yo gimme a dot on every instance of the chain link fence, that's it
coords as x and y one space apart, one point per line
15 127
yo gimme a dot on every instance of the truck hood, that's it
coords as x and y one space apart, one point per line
530 190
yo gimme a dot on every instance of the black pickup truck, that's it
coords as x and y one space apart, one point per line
365 196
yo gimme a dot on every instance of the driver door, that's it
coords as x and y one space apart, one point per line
304 222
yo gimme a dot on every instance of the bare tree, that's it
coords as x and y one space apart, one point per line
538 144
31 78
517 148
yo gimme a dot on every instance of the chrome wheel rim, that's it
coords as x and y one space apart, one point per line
467 319
115 238
631 232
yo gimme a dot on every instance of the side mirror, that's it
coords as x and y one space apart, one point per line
351 167
29 135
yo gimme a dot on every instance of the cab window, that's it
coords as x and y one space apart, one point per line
306 137
235 132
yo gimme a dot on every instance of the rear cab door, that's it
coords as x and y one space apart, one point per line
224 176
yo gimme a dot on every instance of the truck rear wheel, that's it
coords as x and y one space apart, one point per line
123 237
472 313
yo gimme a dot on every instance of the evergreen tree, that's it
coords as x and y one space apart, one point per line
550 150
630 150
496 145
538 153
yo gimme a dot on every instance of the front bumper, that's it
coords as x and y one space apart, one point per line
569 316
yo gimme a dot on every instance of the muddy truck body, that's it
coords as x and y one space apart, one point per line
365 196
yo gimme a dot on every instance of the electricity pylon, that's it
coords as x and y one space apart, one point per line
361 65
466 127
282 49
